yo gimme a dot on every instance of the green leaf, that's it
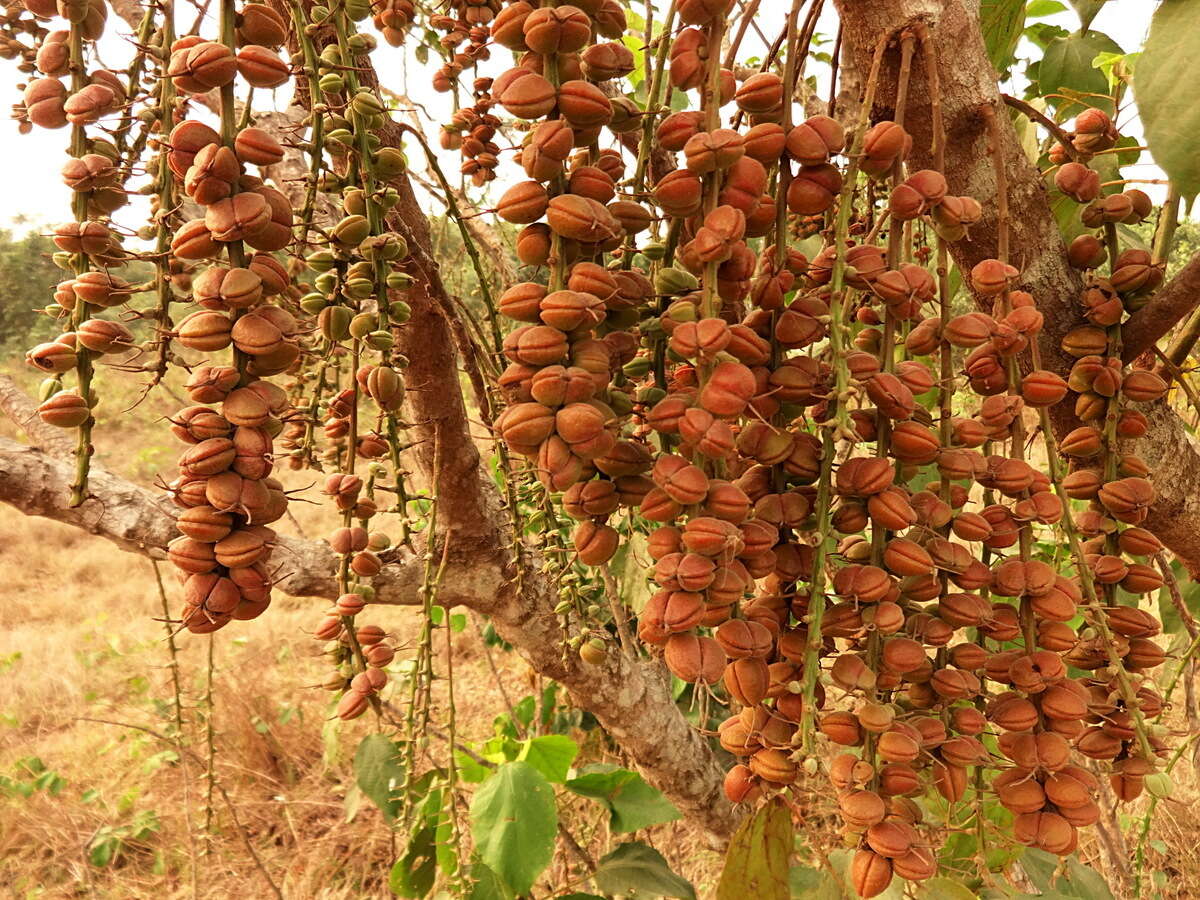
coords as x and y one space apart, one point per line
1039 866
1001 22
377 770
944 889
1169 113
487 885
550 754
634 866
757 859
1087 10
514 822
413 873
1084 882
631 802
1038 9
1067 66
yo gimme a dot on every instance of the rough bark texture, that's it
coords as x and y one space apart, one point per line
968 85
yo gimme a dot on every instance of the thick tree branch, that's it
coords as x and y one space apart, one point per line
1169 306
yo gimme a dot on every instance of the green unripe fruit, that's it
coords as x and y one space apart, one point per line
620 402
340 136
351 231
682 311
357 10
48 389
313 304
358 288
390 162
334 322
365 591
389 196
638 366
675 281
649 395
62 259
1158 784
366 104
332 83
563 607
399 281
361 325
319 14
320 260
354 201
388 247
399 312
654 251
380 340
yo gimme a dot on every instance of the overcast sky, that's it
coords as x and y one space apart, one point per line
34 193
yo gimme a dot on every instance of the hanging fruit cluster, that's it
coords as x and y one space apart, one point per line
939 625
355 297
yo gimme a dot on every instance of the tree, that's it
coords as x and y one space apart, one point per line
793 433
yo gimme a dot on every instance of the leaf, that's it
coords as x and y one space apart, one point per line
377 769
1001 22
631 802
757 859
1038 9
1039 866
1087 10
634 866
1084 882
487 885
1067 66
550 754
514 822
413 873
944 889
1169 113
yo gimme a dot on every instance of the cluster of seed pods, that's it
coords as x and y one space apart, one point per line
931 593
355 297
225 482
88 247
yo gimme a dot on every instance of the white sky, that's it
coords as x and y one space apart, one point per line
34 193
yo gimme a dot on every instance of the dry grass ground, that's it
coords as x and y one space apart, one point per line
86 712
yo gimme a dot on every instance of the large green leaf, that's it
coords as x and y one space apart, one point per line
378 768
756 863
514 822
632 804
413 873
487 885
1066 66
944 889
638 867
1170 115
1001 22
550 754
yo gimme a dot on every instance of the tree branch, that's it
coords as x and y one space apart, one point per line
1166 309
